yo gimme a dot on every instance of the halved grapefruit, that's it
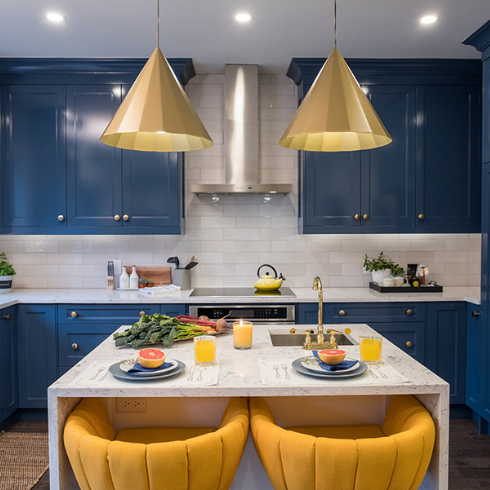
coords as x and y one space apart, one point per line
151 358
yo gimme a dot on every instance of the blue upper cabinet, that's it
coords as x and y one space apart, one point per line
58 178
448 158
34 168
427 179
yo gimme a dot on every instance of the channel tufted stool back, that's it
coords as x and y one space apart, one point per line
154 458
394 456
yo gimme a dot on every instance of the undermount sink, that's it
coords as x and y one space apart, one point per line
288 340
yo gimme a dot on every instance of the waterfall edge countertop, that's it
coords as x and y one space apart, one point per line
241 374
303 295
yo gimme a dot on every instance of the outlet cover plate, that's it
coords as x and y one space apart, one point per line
131 405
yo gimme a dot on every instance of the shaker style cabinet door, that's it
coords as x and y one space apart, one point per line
448 149
34 161
94 169
8 357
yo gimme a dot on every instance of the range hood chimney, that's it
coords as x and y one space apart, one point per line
241 137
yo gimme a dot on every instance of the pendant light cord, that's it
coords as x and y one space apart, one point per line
158 23
335 21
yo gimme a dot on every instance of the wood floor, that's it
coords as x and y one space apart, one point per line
469 455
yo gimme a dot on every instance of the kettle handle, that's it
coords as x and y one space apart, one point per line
267 265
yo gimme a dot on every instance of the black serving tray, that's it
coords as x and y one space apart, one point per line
404 289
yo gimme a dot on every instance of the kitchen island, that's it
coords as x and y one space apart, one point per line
294 398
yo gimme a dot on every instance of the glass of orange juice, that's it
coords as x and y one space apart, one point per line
242 335
205 350
370 347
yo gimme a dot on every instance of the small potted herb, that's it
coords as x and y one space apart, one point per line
381 267
7 273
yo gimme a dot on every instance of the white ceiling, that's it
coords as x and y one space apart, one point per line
206 31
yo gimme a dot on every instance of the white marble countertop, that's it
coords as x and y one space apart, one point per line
303 295
240 373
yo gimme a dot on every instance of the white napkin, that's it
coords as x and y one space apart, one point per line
160 290
201 375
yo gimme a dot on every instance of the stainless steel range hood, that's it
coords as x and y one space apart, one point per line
241 137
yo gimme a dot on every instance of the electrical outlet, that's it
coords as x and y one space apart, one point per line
130 405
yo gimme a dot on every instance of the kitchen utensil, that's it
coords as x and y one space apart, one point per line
174 260
111 283
190 265
284 366
267 282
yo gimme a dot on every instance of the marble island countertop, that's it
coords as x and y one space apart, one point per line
246 372
303 295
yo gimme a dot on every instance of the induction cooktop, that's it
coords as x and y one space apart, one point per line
247 292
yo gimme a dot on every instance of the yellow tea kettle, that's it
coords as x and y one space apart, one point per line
267 282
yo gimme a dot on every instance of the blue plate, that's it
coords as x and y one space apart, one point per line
116 371
298 367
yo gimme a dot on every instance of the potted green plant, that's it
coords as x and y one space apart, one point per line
7 273
381 267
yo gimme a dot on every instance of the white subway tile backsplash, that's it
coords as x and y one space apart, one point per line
231 236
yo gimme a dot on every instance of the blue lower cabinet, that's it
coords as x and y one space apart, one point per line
446 337
474 390
9 398
37 353
173 310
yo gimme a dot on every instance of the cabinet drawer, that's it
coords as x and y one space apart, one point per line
409 337
74 343
379 312
114 314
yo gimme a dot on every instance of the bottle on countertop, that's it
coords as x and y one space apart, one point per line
124 279
134 279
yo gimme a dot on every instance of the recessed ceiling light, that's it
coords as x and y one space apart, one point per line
428 19
55 17
243 17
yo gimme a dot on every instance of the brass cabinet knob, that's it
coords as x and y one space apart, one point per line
73 314
365 216
125 217
357 217
475 313
341 313
61 217
74 346
142 313
409 312
408 343
421 216
7 317
117 217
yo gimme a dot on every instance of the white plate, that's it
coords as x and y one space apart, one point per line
317 368
118 374
127 364
328 375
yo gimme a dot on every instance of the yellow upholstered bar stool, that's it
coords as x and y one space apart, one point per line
394 456
154 458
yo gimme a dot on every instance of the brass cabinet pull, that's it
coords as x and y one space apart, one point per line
421 216
117 217
61 217
142 313
341 313
475 313
125 217
365 216
409 312
7 317
357 217
73 314
408 344
74 346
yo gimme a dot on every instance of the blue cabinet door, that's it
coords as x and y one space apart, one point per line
387 173
34 164
94 170
446 326
152 186
475 356
8 357
173 310
448 158
36 348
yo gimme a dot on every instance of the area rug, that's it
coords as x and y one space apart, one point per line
24 458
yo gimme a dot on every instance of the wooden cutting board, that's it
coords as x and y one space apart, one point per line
159 275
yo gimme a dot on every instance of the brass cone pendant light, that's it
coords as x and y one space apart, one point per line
335 115
156 114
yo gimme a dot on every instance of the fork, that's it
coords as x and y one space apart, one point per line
284 366
383 375
97 373
372 373
276 368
